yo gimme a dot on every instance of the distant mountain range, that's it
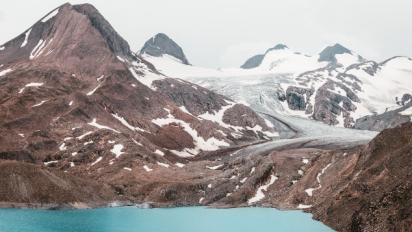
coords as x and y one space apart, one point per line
337 87
87 122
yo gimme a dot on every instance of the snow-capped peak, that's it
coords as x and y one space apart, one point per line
339 55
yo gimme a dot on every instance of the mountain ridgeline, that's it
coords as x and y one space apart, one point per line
87 122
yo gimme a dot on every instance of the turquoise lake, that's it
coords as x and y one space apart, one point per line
131 219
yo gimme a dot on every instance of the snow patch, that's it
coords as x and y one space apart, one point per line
94 90
51 15
180 165
26 38
84 135
51 162
117 150
147 169
4 72
33 84
99 126
159 152
97 161
126 124
62 147
39 104
309 191
163 164
210 144
259 193
302 206
215 167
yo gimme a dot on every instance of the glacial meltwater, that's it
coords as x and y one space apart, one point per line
131 219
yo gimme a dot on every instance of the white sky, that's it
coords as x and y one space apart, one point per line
223 33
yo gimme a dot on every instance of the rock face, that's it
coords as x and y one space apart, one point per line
45 188
253 62
75 99
389 119
377 198
160 45
256 60
296 97
329 53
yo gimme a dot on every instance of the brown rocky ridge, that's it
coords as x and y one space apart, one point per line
85 122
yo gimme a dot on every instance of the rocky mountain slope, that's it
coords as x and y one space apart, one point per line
85 122
74 97
337 87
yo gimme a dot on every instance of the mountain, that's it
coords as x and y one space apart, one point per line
75 98
337 87
162 45
256 60
85 122
338 54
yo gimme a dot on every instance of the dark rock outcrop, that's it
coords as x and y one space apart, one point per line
256 60
161 44
389 119
253 62
328 54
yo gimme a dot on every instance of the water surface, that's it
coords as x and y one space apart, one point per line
131 219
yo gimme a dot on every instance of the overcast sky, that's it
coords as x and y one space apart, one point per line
224 33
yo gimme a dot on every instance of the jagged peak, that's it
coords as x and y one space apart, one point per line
160 45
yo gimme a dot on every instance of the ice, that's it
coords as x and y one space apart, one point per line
259 193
